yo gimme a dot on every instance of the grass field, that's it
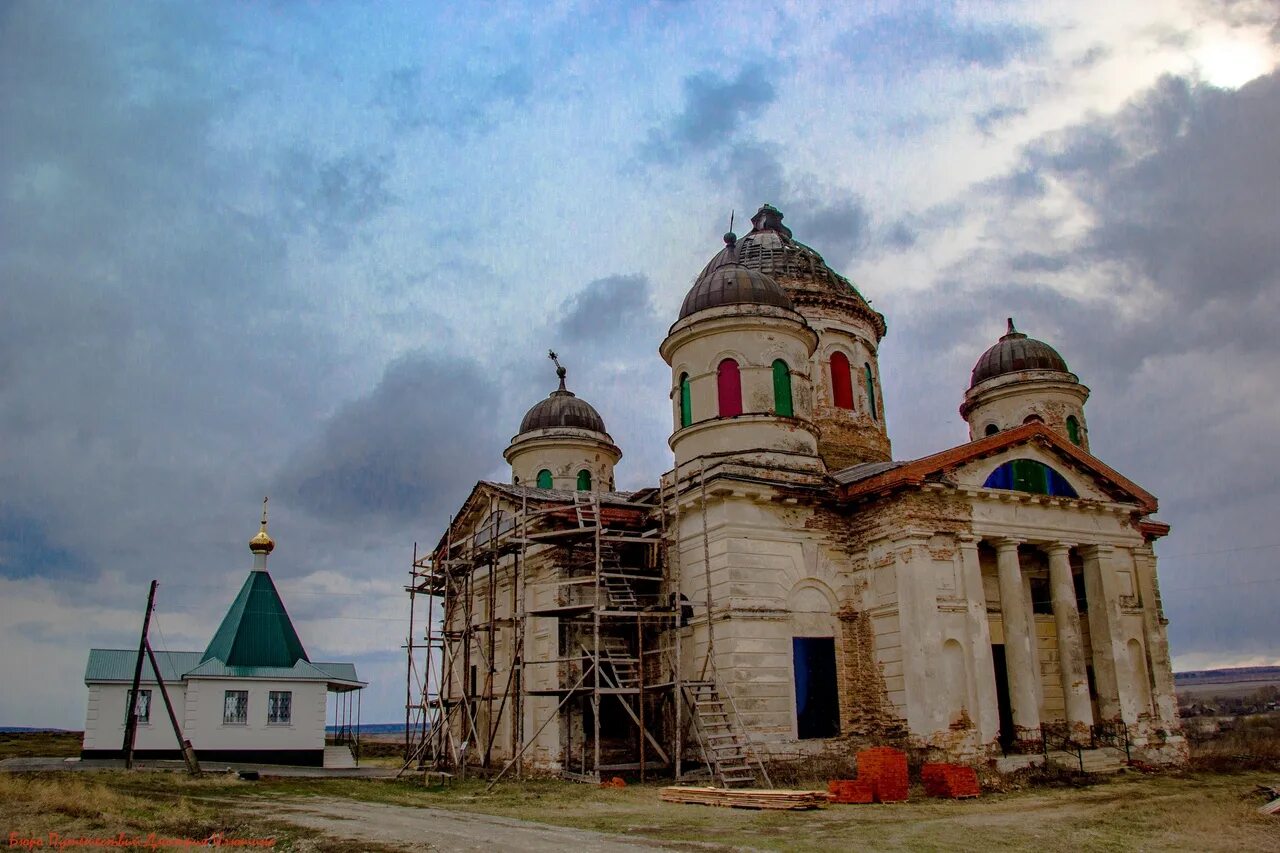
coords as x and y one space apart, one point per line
1180 811
1211 807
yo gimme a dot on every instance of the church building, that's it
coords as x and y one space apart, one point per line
252 696
789 587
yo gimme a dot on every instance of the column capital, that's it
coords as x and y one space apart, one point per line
1057 547
1007 543
968 538
1103 550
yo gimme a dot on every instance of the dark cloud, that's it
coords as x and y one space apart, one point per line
714 110
988 120
604 308
407 451
334 197
913 38
459 101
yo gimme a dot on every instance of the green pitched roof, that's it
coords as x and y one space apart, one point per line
256 630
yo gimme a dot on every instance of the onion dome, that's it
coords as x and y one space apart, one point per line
261 543
732 284
803 275
562 409
1015 352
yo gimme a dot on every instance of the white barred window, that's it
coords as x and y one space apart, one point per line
143 709
280 707
235 707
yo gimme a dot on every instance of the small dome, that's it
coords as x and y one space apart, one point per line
261 543
733 284
562 409
1015 352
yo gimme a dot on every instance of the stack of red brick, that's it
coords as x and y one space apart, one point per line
851 791
949 780
886 769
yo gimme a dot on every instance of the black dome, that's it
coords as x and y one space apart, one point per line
562 409
1015 352
733 284
800 271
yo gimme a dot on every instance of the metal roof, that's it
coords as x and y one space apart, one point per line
733 284
1014 352
855 473
257 631
118 664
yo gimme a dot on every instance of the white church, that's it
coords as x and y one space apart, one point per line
252 696
789 587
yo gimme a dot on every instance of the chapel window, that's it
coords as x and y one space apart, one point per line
143 709
841 381
992 429
235 707
782 389
1030 475
871 392
729 388
279 707
686 401
544 479
1073 429
584 480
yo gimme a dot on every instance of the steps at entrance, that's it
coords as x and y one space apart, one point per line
338 757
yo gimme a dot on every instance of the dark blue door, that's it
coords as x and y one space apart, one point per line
817 702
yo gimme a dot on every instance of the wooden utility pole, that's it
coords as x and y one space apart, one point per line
131 721
188 751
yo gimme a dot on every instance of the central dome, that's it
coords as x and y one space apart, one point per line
801 272
1015 352
733 284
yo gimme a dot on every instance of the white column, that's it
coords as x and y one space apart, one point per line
1075 682
1157 644
1019 643
986 710
1110 658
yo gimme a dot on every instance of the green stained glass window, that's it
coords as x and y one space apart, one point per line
871 393
584 480
686 401
782 389
544 479
1073 429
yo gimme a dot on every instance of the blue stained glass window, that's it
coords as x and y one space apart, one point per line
1029 475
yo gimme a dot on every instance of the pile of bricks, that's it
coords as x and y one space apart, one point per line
952 781
851 791
886 769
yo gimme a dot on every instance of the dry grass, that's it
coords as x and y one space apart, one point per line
1252 744
28 744
103 805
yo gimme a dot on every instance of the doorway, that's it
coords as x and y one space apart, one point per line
1008 734
817 699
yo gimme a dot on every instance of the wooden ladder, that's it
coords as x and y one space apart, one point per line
724 745
626 669
587 509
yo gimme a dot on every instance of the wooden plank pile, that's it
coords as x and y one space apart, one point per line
886 769
746 798
953 781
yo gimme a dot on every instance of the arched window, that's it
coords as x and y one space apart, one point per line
1029 475
686 401
871 392
1033 419
584 480
782 389
729 388
841 381
1073 429
544 479
992 429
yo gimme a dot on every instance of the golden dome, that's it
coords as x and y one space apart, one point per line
261 543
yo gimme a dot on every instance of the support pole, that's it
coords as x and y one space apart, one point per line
131 721
188 752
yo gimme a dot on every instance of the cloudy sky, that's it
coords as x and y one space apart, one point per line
319 251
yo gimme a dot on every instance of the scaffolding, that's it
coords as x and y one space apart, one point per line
594 579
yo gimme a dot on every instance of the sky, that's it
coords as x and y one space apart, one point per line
319 252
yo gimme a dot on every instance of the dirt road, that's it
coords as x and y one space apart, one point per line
427 829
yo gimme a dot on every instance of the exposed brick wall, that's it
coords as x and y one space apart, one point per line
865 710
